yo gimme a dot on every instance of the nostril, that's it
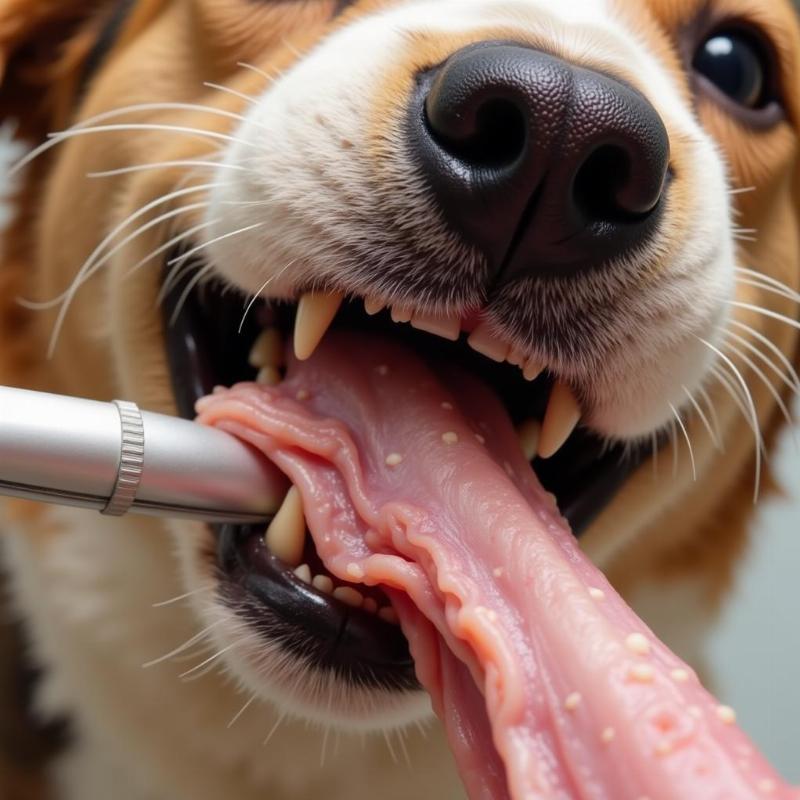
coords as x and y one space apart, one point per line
493 134
599 183
607 187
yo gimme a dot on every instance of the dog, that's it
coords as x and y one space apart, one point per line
606 190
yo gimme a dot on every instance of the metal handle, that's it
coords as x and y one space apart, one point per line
114 458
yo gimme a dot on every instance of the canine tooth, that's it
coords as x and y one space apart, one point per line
323 583
487 344
573 701
269 376
286 534
607 736
267 350
529 434
680 675
349 596
446 327
401 314
532 369
562 416
304 573
373 306
315 312
388 614
370 605
394 460
450 437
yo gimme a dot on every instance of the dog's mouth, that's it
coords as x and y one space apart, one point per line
277 579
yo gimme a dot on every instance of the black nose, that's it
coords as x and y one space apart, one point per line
546 167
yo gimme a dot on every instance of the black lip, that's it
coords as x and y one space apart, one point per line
354 643
204 349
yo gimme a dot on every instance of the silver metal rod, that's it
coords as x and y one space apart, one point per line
116 459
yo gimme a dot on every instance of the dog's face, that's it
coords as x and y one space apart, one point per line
605 190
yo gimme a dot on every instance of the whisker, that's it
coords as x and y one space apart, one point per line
185 646
712 410
688 441
704 419
766 313
751 405
237 716
266 75
206 663
772 347
164 165
673 435
761 277
274 728
183 596
765 287
35 306
263 286
763 358
187 234
743 190
85 275
227 90
765 380
188 290
182 259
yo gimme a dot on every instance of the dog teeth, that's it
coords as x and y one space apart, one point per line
532 369
349 596
269 376
286 534
446 327
487 344
373 306
304 573
267 350
401 314
323 583
529 434
560 420
315 312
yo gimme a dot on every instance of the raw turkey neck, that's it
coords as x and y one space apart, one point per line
548 685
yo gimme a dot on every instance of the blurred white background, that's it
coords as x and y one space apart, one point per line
756 650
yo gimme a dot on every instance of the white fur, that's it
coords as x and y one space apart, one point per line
318 200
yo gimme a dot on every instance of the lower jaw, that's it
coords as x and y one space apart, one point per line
308 624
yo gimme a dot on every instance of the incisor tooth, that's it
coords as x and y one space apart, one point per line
304 573
286 535
373 306
401 314
529 434
446 327
269 376
315 312
323 583
267 350
487 344
562 416
349 596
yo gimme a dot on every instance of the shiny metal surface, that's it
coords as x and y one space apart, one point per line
67 450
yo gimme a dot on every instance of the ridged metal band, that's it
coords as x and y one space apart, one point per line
131 459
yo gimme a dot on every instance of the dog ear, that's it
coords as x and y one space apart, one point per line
43 44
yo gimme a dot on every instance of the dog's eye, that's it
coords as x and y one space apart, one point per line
738 65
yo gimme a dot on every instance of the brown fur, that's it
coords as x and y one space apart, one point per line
680 530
